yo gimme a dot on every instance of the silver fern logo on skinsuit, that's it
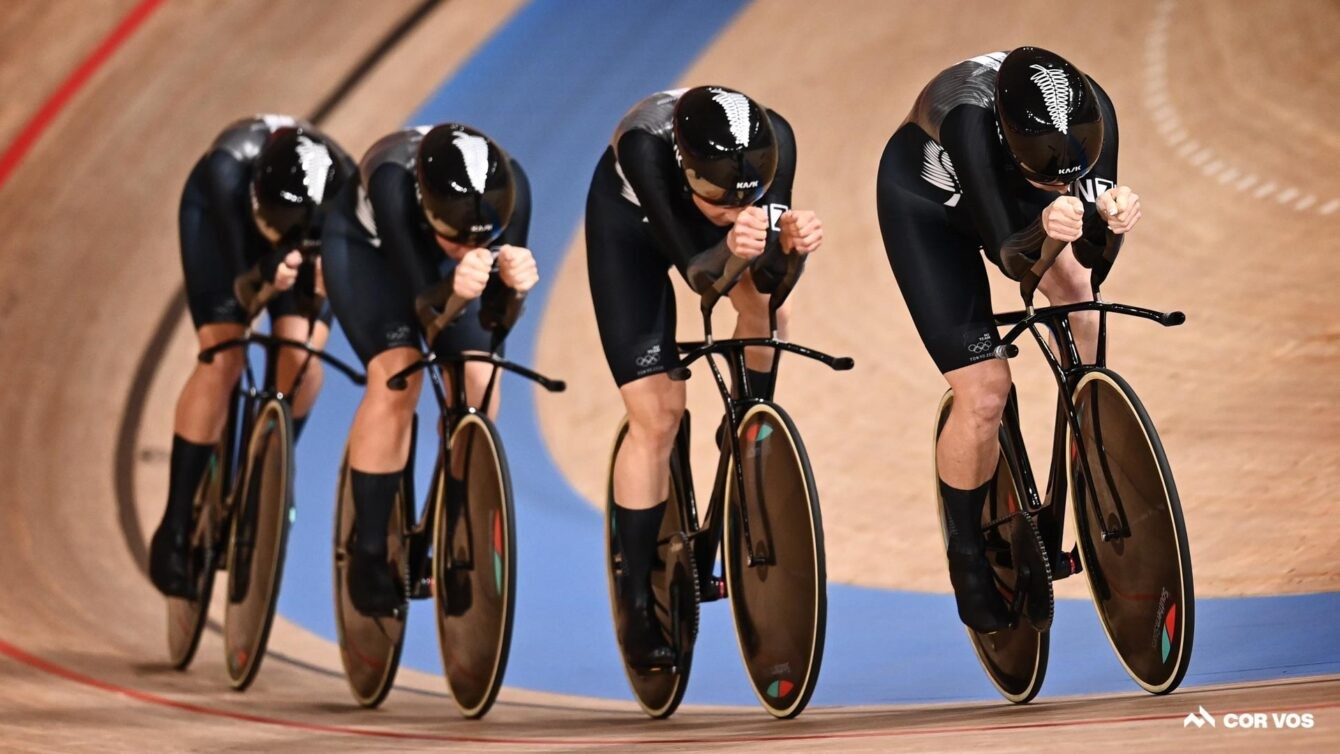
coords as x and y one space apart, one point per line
938 171
736 107
316 162
1055 90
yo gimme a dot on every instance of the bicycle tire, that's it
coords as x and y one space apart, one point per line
260 525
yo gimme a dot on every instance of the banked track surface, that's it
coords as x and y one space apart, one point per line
79 626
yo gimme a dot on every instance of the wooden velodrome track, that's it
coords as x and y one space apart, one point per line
1215 100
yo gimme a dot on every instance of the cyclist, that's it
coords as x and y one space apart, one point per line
690 178
413 230
251 202
999 153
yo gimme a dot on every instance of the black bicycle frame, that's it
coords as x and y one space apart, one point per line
1067 369
452 411
247 393
734 352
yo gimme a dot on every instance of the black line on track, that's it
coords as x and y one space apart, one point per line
370 61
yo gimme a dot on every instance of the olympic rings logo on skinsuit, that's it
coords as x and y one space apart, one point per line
979 347
650 357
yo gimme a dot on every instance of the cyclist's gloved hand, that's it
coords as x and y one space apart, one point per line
280 267
1119 208
517 268
801 231
472 274
1063 219
749 235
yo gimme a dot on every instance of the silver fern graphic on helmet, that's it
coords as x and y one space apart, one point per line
475 153
1055 94
736 107
938 170
316 162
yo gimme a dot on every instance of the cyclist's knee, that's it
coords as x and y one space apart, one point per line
291 362
1067 282
748 302
225 369
386 404
654 413
980 393
379 398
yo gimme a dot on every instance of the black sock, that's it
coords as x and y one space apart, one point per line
638 531
298 423
963 515
186 466
374 494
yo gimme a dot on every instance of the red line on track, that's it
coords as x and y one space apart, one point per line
33 129
74 676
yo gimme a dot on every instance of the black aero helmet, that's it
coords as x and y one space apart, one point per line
466 185
1049 116
294 172
725 144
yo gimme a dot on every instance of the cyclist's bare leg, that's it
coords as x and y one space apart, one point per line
966 458
379 438
378 453
202 407
969 445
202 410
290 361
654 405
1067 282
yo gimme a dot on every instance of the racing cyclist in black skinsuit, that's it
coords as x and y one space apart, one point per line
411 231
253 199
999 153
691 177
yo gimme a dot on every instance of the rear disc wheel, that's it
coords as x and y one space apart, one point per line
187 616
369 646
1015 659
659 692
